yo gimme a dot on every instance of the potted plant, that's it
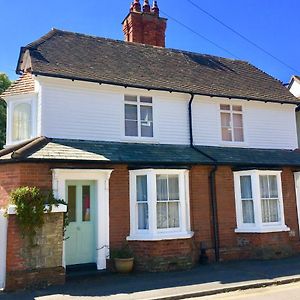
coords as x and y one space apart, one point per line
123 258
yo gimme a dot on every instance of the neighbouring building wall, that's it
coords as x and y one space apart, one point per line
96 112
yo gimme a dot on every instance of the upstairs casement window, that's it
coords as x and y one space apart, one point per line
138 116
259 202
21 121
232 123
159 204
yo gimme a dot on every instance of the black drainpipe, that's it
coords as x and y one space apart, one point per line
212 184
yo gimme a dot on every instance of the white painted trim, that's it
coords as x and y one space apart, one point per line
61 208
3 247
101 176
258 226
31 99
297 189
153 233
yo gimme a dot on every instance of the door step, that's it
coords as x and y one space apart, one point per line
83 270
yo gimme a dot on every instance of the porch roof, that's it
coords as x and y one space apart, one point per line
47 149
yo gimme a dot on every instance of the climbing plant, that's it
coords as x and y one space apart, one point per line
31 206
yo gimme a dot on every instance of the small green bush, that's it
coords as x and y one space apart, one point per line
30 209
123 252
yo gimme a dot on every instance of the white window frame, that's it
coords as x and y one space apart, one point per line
258 226
12 102
231 112
138 103
153 233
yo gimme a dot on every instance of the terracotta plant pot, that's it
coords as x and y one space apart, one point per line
124 265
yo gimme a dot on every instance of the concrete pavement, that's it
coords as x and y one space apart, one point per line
200 281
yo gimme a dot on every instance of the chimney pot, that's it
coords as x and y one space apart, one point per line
146 6
155 8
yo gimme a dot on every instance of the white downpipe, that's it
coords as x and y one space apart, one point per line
3 245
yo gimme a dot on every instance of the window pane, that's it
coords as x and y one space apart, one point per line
225 107
146 113
130 112
225 120
273 186
173 214
236 107
248 211
141 188
146 99
270 210
246 188
162 187
72 203
147 129
146 121
238 135
131 128
143 216
226 134
86 203
237 120
130 98
21 122
173 187
263 182
162 215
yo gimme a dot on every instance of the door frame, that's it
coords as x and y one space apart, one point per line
101 177
297 190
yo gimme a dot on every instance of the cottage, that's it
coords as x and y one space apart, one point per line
173 151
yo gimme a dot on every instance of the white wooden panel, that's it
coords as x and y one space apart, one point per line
172 120
3 243
81 114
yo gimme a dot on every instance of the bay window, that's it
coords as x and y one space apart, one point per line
159 204
259 201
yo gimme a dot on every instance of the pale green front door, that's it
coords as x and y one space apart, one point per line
80 233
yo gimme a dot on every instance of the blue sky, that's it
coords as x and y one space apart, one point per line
272 24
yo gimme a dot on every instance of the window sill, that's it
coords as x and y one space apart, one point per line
140 140
160 236
265 229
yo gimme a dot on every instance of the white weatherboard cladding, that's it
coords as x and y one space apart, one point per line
3 241
295 88
89 111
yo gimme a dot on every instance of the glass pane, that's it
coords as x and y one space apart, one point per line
225 120
130 98
141 188
248 211
162 187
237 120
147 129
236 107
72 203
270 210
225 107
173 187
22 122
226 134
246 188
131 128
173 214
238 135
143 216
273 186
263 183
86 203
146 113
146 99
130 112
162 217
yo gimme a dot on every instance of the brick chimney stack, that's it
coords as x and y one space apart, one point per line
144 25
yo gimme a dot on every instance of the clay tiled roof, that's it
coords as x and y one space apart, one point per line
82 57
23 85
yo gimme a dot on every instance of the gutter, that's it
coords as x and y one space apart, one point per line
149 88
212 184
